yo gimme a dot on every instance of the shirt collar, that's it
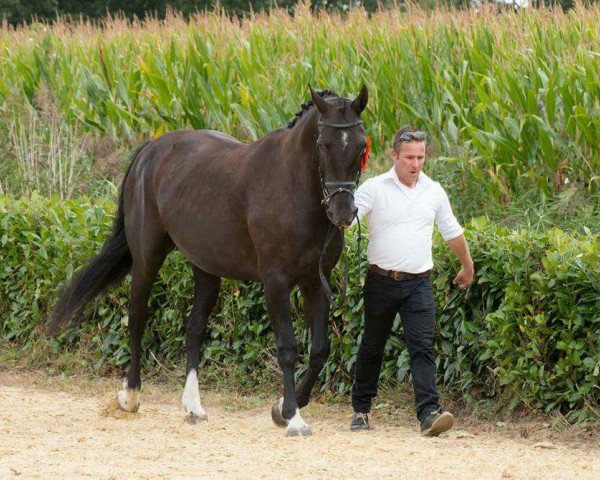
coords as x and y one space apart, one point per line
423 182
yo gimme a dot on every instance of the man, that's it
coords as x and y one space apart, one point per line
401 207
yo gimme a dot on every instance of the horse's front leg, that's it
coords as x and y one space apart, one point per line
285 413
316 311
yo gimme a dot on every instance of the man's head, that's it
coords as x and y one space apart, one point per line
408 152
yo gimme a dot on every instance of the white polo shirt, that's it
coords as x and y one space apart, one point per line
401 219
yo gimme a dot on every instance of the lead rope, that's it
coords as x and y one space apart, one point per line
330 233
345 281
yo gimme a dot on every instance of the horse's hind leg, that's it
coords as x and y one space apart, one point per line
205 298
143 273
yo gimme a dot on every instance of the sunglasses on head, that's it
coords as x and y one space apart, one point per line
412 136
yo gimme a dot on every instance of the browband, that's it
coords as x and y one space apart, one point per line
341 125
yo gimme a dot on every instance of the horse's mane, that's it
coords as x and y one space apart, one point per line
305 106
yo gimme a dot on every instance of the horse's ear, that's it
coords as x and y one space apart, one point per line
360 102
319 101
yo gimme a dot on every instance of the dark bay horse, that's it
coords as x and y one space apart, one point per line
258 211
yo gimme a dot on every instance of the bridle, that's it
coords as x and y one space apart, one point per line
338 187
330 189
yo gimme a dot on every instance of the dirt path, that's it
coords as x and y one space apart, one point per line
55 428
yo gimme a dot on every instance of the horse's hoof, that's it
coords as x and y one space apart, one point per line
193 418
297 427
128 400
298 432
276 414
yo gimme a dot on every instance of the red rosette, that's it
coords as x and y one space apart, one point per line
365 157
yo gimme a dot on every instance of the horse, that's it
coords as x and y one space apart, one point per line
247 211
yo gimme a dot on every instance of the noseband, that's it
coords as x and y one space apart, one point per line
330 189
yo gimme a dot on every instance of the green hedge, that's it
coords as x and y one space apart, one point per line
528 328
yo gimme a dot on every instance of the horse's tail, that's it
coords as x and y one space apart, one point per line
107 267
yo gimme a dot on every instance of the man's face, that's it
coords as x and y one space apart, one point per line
409 160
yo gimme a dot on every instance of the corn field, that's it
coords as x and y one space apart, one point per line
514 96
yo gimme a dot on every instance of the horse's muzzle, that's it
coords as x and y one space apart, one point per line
342 217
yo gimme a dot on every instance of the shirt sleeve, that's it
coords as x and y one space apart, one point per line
445 219
363 199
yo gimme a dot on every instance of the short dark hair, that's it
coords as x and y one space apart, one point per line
405 129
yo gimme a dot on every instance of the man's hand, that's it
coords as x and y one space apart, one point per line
461 249
464 278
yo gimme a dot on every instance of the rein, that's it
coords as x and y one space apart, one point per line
328 238
328 194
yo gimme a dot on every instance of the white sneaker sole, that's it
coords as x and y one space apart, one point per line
443 423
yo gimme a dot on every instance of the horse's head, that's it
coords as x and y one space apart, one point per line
341 143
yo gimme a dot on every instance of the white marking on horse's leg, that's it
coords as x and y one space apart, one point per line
191 396
128 398
297 426
344 139
297 421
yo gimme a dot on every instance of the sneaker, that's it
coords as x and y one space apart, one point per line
360 421
437 422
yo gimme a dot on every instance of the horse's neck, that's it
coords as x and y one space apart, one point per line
294 170
303 162
305 166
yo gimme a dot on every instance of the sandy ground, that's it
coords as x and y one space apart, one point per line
57 428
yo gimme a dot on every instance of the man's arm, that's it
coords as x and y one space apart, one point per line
363 199
452 233
461 249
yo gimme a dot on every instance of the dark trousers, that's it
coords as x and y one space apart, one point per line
413 299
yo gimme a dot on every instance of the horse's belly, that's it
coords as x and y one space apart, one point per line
217 250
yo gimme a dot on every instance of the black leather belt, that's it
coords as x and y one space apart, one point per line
399 276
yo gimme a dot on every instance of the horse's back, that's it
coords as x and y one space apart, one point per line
187 183
198 141
226 138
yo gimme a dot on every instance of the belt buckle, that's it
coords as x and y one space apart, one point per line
397 276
